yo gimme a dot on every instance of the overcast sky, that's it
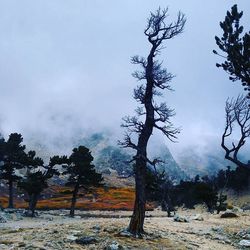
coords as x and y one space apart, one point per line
65 66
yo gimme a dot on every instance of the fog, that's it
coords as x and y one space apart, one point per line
65 68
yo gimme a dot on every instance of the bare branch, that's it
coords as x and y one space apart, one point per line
163 112
169 131
139 94
132 123
237 113
157 30
127 142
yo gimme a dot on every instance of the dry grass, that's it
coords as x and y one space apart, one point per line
111 198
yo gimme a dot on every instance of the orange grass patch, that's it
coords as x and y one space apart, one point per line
111 198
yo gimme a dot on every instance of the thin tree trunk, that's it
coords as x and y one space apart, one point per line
11 204
73 201
32 205
137 219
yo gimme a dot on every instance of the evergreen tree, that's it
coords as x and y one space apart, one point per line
37 176
81 173
236 48
13 160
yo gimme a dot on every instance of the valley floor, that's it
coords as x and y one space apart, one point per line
53 230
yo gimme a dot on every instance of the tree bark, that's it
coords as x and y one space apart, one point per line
73 201
11 204
137 219
32 205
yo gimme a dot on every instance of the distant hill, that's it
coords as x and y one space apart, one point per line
109 156
203 163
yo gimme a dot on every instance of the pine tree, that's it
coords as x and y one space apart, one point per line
37 176
81 173
13 161
235 47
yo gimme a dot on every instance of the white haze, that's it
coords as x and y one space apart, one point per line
65 68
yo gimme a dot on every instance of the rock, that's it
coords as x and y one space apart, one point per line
71 238
221 238
244 243
86 240
76 232
9 210
179 218
246 207
96 228
229 215
245 234
197 217
114 246
21 244
219 230
125 233
3 219
237 210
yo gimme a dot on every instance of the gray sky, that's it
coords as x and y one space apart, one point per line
65 66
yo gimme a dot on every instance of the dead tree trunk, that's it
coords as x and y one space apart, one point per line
137 220
155 116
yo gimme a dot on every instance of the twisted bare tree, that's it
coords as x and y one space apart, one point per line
237 117
150 114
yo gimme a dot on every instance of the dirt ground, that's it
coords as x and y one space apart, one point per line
55 230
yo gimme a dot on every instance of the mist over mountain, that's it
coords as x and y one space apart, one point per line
108 156
208 163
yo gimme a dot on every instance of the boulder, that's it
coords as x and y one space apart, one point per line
244 243
86 240
179 218
229 215
197 217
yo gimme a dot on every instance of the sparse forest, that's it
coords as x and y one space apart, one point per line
114 194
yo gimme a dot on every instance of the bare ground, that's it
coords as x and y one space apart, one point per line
55 230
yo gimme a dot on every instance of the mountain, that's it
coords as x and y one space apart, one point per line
109 156
202 163
169 165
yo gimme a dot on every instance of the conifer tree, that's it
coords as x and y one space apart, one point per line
81 173
235 47
13 161
36 178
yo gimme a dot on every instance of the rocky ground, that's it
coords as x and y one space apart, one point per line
190 229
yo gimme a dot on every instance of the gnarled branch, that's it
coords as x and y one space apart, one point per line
237 113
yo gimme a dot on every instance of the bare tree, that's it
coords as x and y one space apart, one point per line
237 115
149 114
